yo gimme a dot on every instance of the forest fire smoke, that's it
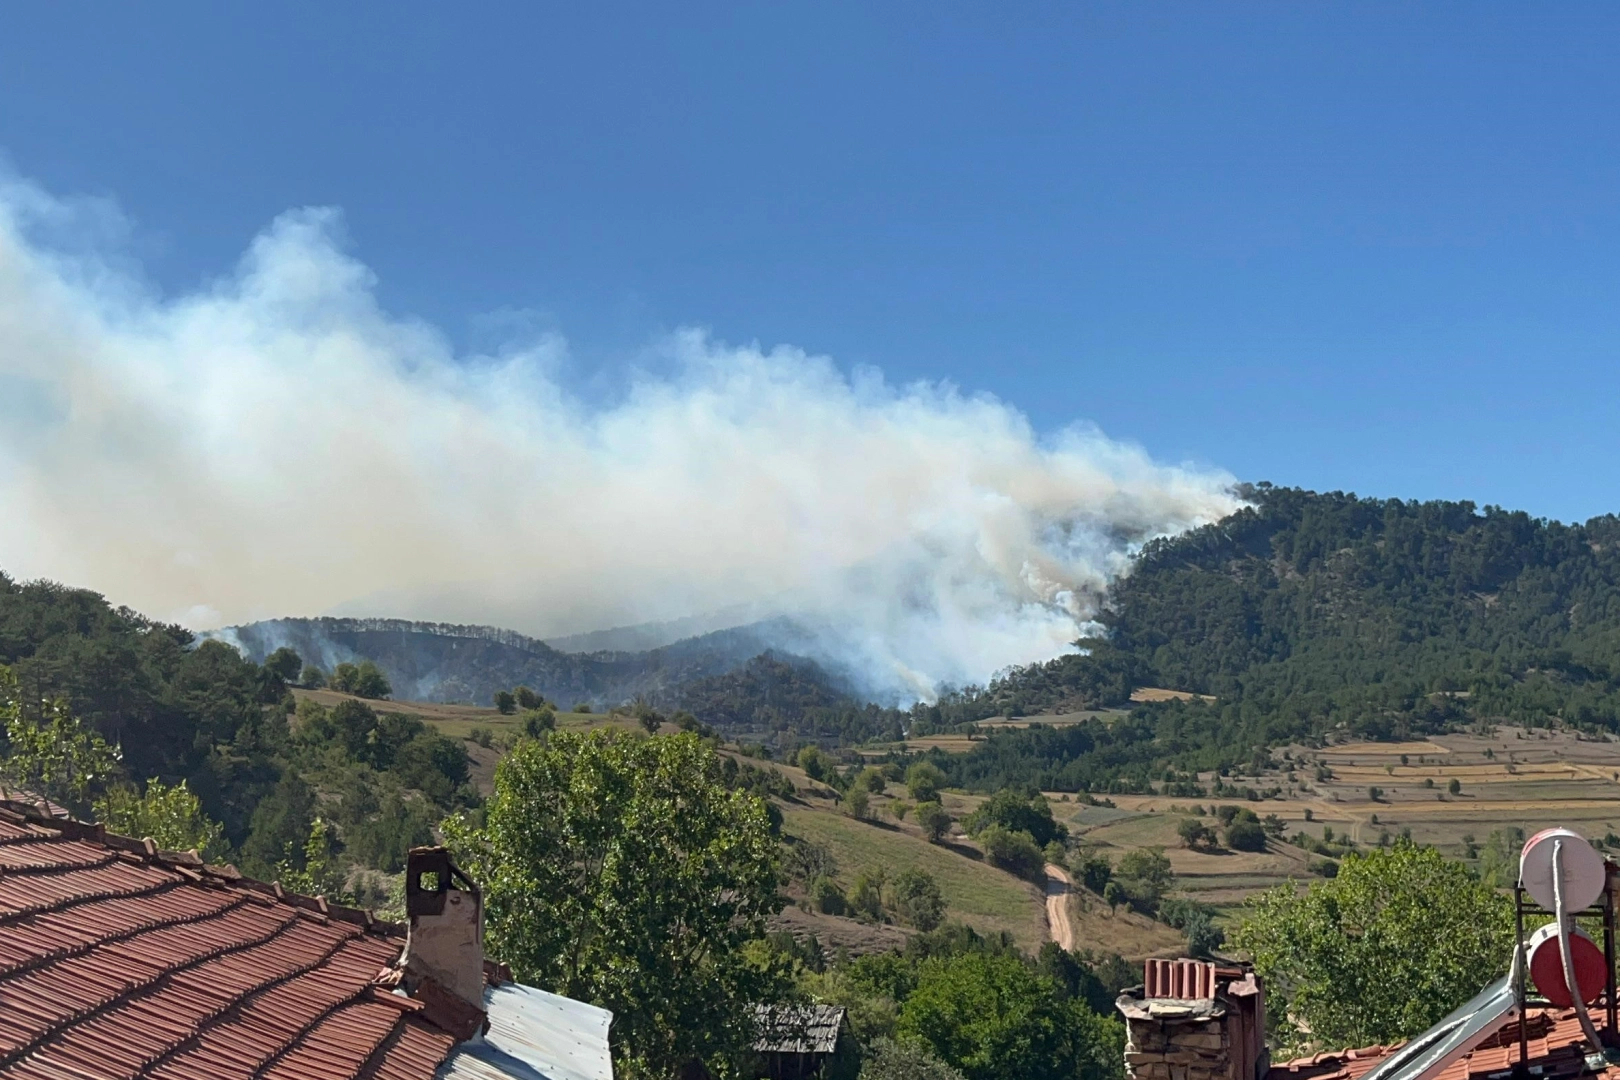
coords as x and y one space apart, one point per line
278 444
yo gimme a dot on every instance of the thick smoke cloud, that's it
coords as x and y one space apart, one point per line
277 444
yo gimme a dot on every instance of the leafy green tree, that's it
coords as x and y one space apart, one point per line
872 779
991 1016
1194 832
312 677
370 682
527 699
924 780
918 900
623 871
812 761
1144 876
344 677
1499 861
280 827
866 895
1013 852
1094 871
536 722
1246 836
934 820
582 707
1382 951
315 872
53 753
827 897
857 803
1455 786
887 1059
285 664
169 814
505 702
385 839
1018 813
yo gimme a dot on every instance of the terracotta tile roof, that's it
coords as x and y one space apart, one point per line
1557 1048
117 960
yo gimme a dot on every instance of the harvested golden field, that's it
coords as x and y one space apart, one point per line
1156 693
1513 779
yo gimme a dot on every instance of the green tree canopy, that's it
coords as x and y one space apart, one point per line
1382 951
51 753
918 900
1016 812
285 664
1145 876
623 871
923 780
934 820
370 682
169 814
992 1016
911 1060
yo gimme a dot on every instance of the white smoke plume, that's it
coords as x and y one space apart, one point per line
277 444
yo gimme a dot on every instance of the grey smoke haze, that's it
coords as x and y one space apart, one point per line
277 444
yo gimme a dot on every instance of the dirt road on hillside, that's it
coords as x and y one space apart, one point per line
1057 907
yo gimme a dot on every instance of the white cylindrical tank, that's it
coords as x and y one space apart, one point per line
1584 876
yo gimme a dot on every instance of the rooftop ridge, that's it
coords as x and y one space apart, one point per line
190 864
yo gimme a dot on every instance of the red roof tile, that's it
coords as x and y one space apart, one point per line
1555 1042
118 961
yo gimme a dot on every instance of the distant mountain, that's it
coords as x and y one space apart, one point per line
451 662
644 637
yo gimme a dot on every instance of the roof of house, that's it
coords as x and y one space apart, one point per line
120 960
798 1029
534 1035
1557 1049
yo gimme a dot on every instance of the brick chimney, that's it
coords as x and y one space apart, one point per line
1194 1020
443 965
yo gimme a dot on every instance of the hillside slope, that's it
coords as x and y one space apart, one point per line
455 663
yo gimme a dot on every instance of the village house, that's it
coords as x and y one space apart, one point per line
118 960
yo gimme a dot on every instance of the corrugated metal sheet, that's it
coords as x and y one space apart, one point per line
534 1035
798 1029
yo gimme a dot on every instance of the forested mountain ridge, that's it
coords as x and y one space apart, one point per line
454 663
1309 615
1417 611
198 712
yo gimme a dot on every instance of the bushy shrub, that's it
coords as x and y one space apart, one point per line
1246 836
917 899
1014 852
826 897
934 820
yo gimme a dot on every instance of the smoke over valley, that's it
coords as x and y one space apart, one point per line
276 444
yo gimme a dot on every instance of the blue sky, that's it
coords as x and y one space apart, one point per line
1371 246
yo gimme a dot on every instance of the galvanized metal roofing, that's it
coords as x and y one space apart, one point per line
798 1029
120 961
534 1035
